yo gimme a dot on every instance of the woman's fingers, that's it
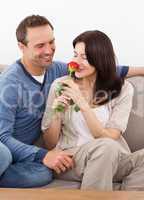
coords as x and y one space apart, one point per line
63 99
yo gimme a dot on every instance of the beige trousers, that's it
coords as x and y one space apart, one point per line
103 161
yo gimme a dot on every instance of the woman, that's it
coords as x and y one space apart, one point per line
94 134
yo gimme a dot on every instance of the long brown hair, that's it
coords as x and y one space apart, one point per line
100 54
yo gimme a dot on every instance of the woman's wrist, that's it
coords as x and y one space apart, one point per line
83 105
57 116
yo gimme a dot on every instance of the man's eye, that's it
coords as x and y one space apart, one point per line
40 46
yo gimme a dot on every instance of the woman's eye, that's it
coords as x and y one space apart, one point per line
84 58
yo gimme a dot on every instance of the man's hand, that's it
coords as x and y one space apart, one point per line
58 160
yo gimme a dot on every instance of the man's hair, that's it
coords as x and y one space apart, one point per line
30 22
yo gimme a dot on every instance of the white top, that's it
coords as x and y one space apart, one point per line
39 78
80 127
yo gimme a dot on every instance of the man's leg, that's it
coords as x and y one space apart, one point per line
131 171
26 175
96 163
5 158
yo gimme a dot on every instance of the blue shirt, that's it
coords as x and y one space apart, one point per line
22 104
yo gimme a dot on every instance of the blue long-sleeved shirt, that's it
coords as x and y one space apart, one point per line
22 103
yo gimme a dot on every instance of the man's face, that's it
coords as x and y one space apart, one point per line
40 47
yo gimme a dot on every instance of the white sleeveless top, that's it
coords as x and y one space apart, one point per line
80 128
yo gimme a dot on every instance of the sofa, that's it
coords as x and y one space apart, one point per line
134 133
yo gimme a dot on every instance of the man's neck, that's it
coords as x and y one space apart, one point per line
33 70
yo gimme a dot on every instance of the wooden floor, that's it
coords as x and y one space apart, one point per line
57 194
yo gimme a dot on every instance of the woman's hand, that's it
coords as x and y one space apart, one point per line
61 100
72 91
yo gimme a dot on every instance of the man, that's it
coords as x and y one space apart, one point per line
24 89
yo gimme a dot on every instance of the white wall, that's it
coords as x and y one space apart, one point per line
122 20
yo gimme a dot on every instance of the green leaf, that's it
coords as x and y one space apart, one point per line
59 108
76 108
59 89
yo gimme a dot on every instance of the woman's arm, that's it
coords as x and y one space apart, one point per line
120 111
119 114
52 133
51 122
95 126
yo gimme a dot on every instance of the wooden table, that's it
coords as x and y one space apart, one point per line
57 194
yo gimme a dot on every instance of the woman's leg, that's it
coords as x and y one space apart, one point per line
95 164
131 169
5 158
101 165
26 175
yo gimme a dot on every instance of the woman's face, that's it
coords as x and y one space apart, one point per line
85 69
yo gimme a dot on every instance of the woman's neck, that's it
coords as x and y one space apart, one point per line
86 85
88 82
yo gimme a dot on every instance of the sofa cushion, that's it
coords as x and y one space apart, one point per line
134 134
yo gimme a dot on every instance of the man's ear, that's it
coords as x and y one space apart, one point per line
21 46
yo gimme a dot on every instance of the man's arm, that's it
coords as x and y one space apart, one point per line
135 71
130 71
9 103
122 70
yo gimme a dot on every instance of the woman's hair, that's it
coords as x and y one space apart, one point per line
100 54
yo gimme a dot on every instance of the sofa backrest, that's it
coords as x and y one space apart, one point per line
134 134
2 67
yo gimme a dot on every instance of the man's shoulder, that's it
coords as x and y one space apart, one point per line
58 66
57 69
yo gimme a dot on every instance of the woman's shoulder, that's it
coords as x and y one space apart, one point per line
125 95
127 88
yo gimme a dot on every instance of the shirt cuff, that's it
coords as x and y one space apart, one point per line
123 71
40 155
